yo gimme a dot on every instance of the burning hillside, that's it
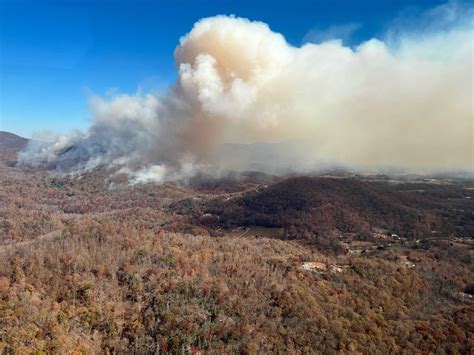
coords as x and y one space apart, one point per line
382 104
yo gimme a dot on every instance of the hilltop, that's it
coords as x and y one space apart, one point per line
11 141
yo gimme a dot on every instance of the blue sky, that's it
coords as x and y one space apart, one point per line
54 54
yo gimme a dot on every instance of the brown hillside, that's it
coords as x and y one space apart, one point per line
11 141
316 204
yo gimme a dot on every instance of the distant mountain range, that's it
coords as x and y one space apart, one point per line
11 141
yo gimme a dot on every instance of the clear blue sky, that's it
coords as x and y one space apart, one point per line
53 54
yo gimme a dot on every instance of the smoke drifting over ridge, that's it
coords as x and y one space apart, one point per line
406 102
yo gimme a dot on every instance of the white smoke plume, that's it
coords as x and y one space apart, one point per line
406 101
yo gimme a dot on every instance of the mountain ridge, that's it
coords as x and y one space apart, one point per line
12 141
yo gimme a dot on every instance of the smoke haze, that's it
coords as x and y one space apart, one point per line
405 102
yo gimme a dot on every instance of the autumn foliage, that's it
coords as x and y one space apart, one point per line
91 265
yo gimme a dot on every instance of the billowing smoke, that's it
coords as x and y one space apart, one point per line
243 94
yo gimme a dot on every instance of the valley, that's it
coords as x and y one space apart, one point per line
246 263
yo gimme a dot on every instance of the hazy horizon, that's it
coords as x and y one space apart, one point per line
392 96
